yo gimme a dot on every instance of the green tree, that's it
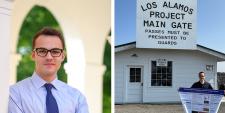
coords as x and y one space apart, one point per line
107 79
36 19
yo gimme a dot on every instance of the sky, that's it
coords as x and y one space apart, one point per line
210 24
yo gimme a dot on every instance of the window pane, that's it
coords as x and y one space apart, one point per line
164 82
153 66
163 69
170 64
138 71
159 69
153 69
132 71
159 82
132 78
163 76
153 76
169 83
169 76
159 76
153 83
169 70
138 79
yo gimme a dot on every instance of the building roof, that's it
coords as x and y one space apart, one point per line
219 55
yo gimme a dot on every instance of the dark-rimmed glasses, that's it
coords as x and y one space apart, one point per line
42 52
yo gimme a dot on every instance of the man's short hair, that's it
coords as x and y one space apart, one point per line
49 32
200 73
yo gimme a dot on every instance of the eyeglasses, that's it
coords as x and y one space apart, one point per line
42 52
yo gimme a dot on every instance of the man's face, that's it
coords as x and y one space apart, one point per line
47 65
202 76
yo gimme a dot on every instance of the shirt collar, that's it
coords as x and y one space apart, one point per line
39 82
201 82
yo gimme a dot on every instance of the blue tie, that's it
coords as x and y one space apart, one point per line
51 104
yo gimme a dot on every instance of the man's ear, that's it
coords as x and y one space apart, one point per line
33 55
63 56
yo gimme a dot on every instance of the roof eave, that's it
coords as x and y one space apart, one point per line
125 46
219 55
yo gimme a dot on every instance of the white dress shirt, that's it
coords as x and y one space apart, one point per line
29 95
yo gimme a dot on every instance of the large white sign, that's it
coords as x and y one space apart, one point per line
169 24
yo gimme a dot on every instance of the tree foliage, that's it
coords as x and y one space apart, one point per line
107 79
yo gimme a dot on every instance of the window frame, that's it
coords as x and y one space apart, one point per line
161 76
136 68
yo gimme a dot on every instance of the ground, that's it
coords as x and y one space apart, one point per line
160 108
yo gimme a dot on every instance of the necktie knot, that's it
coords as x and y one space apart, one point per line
48 86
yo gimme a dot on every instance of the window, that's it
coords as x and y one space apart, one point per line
209 67
161 75
135 74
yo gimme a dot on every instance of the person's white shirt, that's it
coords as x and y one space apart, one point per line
29 96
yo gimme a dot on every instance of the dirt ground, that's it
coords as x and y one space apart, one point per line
156 108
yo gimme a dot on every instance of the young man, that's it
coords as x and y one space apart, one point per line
202 83
43 92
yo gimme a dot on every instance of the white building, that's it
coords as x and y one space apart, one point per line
154 75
